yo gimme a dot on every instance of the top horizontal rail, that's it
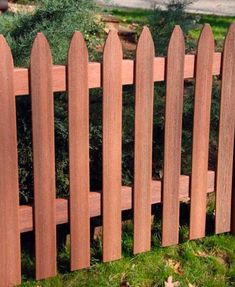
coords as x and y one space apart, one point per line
21 75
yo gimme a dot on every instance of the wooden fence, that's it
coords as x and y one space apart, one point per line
43 78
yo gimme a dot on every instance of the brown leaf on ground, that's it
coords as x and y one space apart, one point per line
175 265
170 283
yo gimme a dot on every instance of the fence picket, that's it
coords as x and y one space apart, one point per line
143 141
201 130
172 143
233 196
112 147
43 157
10 270
79 152
226 136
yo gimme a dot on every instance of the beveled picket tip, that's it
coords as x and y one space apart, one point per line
78 42
145 37
206 34
10 267
230 34
40 46
112 41
4 46
177 37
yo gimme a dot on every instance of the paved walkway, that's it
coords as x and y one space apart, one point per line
218 7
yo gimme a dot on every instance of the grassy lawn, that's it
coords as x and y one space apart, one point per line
207 262
219 24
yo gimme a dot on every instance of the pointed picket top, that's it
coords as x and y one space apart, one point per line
10 268
230 37
78 107
41 48
172 137
225 142
177 39
201 130
112 152
42 102
5 50
145 41
113 43
78 45
206 38
144 94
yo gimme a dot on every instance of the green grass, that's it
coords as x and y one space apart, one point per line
130 16
209 262
219 24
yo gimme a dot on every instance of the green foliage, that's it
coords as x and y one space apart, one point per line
57 19
162 23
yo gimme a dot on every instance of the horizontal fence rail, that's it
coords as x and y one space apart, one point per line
43 78
21 75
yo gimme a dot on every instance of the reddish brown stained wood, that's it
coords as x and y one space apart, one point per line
143 141
43 157
79 152
26 221
10 267
112 147
201 130
226 136
233 197
172 144
94 74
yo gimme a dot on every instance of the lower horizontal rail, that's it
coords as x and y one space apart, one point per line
26 212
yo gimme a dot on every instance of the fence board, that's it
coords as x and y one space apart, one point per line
26 220
112 147
226 136
233 197
143 141
43 157
94 75
79 152
10 271
173 130
201 130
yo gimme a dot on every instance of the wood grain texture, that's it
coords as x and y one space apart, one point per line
233 197
78 98
43 157
21 79
226 136
10 270
201 130
144 86
173 134
112 147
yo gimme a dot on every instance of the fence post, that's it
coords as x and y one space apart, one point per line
112 147
233 196
143 141
201 131
173 134
226 137
79 181
10 270
43 157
